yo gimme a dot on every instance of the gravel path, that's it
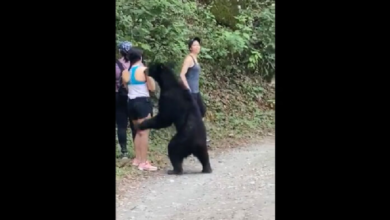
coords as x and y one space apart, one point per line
242 186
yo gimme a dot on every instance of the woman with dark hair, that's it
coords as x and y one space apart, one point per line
190 73
121 112
139 105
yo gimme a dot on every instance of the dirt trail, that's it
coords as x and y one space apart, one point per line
242 186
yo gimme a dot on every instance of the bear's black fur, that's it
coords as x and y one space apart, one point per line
177 106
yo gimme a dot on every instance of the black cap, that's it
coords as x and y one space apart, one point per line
190 42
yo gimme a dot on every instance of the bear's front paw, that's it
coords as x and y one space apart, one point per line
136 127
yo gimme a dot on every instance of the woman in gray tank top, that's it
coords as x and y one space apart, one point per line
190 73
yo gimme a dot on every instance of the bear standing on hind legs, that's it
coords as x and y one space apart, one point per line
176 106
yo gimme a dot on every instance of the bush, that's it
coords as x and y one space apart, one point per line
237 55
234 41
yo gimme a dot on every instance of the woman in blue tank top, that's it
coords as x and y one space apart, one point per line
139 105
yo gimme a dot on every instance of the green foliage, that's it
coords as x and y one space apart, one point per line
162 27
225 12
237 57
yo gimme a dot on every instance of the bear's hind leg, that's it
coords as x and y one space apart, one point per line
203 157
176 159
177 164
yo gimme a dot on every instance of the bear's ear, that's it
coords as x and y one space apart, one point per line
170 65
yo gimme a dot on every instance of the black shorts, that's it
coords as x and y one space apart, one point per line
139 108
199 101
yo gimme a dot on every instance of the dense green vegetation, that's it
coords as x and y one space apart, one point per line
237 55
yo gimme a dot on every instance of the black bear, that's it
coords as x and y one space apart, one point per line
177 106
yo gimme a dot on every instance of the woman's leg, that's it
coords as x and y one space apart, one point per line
202 109
137 147
132 115
142 137
143 141
202 106
121 121
136 152
133 132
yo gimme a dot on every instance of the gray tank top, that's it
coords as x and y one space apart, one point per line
192 77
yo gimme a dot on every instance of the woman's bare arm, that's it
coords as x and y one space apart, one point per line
186 64
150 83
141 74
125 76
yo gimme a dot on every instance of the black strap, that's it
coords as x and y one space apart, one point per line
193 59
120 66
121 91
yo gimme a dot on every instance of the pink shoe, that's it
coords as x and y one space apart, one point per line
135 162
147 166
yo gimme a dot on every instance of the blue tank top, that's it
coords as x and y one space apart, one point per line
136 88
192 77
133 80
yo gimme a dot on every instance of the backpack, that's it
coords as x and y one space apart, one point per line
122 90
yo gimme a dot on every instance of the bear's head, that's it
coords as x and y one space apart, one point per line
163 74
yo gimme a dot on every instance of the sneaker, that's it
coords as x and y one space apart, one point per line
135 162
124 156
147 167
